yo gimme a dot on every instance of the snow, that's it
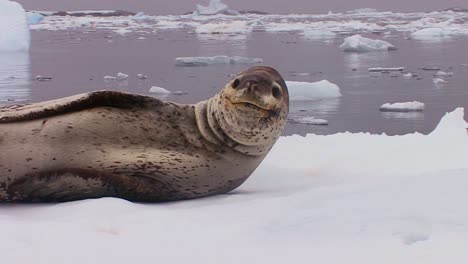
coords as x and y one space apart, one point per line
402 107
214 7
305 91
431 33
221 59
159 90
14 27
357 43
34 18
386 69
343 198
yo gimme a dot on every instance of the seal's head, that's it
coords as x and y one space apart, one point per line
252 108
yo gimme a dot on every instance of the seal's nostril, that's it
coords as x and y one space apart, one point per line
275 92
235 83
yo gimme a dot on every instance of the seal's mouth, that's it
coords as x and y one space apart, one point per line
255 107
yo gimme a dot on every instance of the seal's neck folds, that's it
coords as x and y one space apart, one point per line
209 125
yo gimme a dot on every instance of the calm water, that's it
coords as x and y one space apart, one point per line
77 63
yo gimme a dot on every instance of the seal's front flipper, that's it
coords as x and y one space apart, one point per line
16 113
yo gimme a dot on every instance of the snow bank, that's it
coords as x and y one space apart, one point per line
204 61
214 7
402 107
13 27
304 91
431 33
357 43
343 198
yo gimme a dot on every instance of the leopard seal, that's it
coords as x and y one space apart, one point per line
139 148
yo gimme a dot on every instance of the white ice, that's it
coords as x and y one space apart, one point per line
438 81
343 198
121 76
221 59
214 7
14 29
431 33
310 120
159 90
443 74
235 27
403 107
358 43
305 91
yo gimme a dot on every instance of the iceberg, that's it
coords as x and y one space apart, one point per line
204 61
14 27
358 43
214 7
402 107
305 91
34 18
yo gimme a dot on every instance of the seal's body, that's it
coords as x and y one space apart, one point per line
140 148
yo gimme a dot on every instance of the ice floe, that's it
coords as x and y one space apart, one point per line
443 74
431 33
304 91
358 43
159 90
438 81
402 107
309 120
121 76
399 24
14 27
235 27
342 198
221 59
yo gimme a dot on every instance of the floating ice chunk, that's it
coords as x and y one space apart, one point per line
140 16
386 69
159 90
318 34
234 27
402 107
109 78
203 61
310 120
430 33
438 81
357 43
141 76
122 31
121 76
14 29
304 91
362 11
408 75
443 74
34 18
214 7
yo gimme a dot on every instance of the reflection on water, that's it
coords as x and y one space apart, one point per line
15 80
415 116
324 106
357 60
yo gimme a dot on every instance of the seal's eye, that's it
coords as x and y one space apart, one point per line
275 92
235 83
